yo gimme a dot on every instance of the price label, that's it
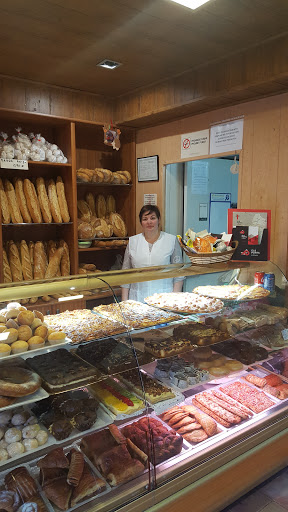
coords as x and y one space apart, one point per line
10 163
285 334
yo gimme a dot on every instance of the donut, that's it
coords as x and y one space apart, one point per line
219 371
234 365
15 382
202 353
6 400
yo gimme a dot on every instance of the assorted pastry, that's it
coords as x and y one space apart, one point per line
67 479
22 330
83 325
199 334
154 391
184 302
135 315
269 335
190 423
232 292
278 363
241 350
180 373
60 370
97 218
28 202
26 261
117 399
100 175
154 439
63 413
111 356
17 382
167 347
271 384
21 492
19 432
118 459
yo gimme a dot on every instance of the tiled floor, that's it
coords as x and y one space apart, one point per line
271 496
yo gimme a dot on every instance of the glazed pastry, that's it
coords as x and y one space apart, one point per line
20 481
88 485
30 444
59 492
31 431
76 468
12 435
14 449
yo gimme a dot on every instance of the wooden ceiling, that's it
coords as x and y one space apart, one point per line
59 42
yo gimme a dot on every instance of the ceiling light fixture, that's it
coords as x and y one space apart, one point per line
109 64
192 4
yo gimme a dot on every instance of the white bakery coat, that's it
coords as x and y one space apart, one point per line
164 251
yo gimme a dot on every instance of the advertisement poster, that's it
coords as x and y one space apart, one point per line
252 229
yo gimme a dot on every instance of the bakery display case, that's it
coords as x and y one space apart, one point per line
130 405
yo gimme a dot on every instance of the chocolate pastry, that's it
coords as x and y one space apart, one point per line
61 429
54 459
85 420
76 468
21 482
70 407
48 474
59 492
90 403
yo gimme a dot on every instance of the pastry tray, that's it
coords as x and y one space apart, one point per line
187 313
32 352
34 471
119 417
28 399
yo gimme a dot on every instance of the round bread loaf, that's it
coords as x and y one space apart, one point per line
84 211
16 381
85 231
24 332
116 178
119 227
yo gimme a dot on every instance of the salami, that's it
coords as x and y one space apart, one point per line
210 413
217 409
231 408
229 400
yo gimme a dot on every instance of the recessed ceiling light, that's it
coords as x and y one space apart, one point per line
109 64
192 4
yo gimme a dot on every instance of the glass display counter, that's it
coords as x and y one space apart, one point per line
121 406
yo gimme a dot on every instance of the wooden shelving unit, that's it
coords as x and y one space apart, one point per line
83 145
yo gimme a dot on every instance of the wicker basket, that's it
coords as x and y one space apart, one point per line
208 258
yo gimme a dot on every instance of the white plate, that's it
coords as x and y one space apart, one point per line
46 348
24 400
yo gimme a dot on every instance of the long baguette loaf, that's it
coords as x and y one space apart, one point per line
14 262
54 204
90 200
40 261
21 200
12 201
5 210
54 263
65 260
6 269
25 261
31 254
60 189
43 200
32 201
51 249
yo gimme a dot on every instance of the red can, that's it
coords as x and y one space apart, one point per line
259 278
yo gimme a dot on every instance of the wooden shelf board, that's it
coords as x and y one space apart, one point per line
101 248
30 224
103 184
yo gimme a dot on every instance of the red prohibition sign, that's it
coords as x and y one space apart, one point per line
186 143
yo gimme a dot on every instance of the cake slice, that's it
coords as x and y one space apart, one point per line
116 398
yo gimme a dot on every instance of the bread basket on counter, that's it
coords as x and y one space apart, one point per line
205 258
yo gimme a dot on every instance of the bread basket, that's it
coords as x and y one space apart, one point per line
208 258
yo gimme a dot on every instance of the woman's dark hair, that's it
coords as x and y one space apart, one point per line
147 209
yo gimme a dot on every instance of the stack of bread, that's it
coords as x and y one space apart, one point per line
23 330
97 218
35 260
99 175
24 202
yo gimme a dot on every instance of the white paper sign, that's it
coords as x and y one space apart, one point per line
195 144
199 178
150 199
226 137
10 163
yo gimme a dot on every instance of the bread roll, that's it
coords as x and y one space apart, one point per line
6 269
12 202
32 201
119 227
100 206
14 262
110 204
65 260
21 200
62 199
127 174
43 200
91 203
84 212
40 261
25 261
83 176
105 228
54 204
54 263
6 217
98 176
124 178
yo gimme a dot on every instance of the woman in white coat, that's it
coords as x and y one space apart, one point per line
152 247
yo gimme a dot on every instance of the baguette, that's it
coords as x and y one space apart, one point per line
6 269
5 210
65 260
31 254
25 261
14 262
21 200
32 201
43 200
60 189
40 261
54 204
51 249
12 201
54 263
91 203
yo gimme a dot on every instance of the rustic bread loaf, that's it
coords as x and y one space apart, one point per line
12 202
5 211
51 249
119 227
100 206
62 199
54 204
54 263
21 199
84 211
25 261
32 201
107 175
90 200
7 275
14 261
110 204
65 260
43 200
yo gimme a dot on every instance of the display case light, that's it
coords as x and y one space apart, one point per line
191 4
70 297
109 64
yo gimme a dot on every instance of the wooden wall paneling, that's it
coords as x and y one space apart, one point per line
245 164
37 98
281 211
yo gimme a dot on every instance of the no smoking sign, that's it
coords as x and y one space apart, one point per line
186 143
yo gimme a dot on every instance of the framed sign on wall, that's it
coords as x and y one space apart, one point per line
148 168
